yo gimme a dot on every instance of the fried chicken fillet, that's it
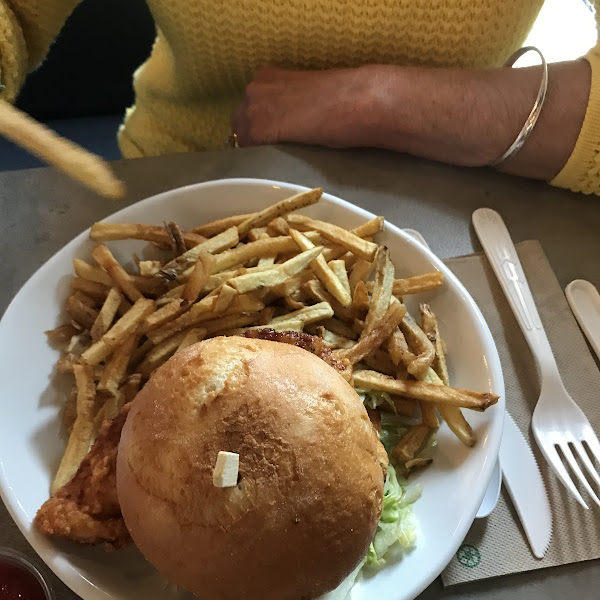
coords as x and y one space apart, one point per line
86 509
312 343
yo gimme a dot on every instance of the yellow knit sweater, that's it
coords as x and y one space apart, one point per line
206 51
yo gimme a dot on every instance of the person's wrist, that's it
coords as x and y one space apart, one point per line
555 134
383 108
349 116
448 115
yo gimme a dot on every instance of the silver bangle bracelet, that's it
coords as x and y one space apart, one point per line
535 111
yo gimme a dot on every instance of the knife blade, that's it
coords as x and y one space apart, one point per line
523 480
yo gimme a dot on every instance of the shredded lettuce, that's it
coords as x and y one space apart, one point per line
374 398
397 528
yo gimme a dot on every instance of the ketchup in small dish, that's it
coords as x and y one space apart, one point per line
19 579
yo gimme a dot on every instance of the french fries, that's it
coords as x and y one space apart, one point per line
360 301
360 273
105 232
423 390
116 366
131 387
293 302
301 200
69 413
421 348
398 349
418 284
225 298
323 271
318 293
188 319
260 248
380 361
340 328
375 418
407 448
371 341
110 404
278 226
106 315
338 235
227 239
382 288
369 228
333 340
192 336
87 271
81 435
175 237
117 273
203 310
295 321
160 353
273 269
82 314
91 288
127 324
61 334
198 278
452 414
163 315
403 406
276 275
339 269
430 327
428 415
213 228
85 299
229 323
417 463
149 267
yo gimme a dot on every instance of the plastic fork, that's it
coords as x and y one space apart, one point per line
559 426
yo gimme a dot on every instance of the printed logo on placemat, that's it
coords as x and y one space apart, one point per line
468 556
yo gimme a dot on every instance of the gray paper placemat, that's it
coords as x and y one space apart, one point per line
497 545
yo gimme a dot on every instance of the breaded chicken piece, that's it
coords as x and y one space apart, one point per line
312 343
86 509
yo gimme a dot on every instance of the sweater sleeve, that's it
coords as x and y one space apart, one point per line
581 172
27 28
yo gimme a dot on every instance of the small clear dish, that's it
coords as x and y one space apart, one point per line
17 570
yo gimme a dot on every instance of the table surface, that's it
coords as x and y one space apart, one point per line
40 211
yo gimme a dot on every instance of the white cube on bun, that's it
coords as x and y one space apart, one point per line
311 472
226 470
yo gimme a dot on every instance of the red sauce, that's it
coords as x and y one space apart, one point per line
17 583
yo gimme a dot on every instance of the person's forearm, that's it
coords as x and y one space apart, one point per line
470 117
458 116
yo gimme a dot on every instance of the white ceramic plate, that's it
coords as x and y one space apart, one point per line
31 445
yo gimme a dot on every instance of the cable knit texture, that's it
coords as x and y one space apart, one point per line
206 51
582 171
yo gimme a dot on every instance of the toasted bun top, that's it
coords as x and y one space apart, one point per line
311 472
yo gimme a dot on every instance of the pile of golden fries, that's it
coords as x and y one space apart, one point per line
270 269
